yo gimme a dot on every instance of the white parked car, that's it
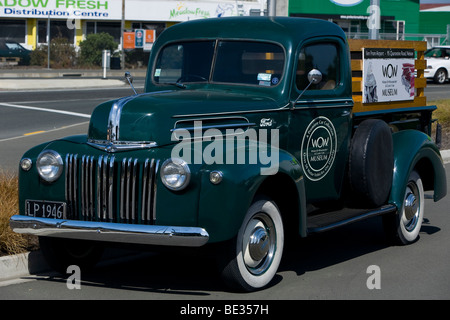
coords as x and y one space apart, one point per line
438 64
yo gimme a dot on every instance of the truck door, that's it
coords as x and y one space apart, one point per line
320 126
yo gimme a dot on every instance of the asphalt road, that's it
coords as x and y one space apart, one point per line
32 117
435 92
338 264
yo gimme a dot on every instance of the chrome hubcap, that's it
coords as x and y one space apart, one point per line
411 207
259 244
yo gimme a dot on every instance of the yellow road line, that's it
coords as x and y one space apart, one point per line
31 133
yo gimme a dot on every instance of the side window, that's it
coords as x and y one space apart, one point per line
323 57
447 53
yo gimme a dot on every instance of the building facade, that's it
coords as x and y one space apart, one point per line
399 19
34 22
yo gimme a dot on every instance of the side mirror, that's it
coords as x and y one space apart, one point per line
129 78
314 77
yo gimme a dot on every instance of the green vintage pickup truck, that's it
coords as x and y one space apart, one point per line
250 130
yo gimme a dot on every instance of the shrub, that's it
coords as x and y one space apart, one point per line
10 242
91 48
62 54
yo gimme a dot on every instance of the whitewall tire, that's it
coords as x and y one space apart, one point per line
256 252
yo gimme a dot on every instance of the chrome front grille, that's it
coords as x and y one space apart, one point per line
108 189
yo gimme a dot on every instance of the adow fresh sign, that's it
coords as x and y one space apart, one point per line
388 75
77 9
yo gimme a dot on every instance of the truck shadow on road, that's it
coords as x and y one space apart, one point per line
193 274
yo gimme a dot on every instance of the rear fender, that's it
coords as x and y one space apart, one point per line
414 150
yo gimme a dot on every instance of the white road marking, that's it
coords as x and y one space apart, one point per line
76 114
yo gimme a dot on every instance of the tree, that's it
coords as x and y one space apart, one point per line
91 48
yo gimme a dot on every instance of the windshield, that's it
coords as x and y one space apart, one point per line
13 46
237 62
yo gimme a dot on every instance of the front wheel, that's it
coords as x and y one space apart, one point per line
404 227
255 254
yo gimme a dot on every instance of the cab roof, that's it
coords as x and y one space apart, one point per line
284 30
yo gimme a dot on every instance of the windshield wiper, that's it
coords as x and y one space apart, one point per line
177 84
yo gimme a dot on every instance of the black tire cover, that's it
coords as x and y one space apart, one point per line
371 163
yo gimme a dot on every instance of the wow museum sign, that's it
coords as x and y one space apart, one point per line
388 75
79 9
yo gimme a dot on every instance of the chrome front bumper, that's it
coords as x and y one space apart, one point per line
112 232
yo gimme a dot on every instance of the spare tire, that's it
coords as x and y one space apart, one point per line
371 163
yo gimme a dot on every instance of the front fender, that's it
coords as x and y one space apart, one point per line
222 207
414 150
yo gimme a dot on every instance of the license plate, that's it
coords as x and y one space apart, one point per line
45 209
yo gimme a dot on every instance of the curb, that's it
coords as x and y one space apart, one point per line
445 156
21 265
67 73
39 84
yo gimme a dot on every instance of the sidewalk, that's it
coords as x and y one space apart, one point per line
35 79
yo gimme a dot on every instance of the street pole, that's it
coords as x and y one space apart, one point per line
48 42
373 23
272 5
122 27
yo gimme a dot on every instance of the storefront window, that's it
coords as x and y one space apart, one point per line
58 29
14 30
112 28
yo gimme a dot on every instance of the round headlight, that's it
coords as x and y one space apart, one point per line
175 174
50 165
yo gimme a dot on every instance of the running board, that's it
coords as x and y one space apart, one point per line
333 219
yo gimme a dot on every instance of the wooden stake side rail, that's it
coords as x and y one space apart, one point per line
356 50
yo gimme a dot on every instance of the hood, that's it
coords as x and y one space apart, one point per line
147 119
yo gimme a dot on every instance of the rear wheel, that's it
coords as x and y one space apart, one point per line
404 227
255 254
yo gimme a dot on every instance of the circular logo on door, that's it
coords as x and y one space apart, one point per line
318 149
